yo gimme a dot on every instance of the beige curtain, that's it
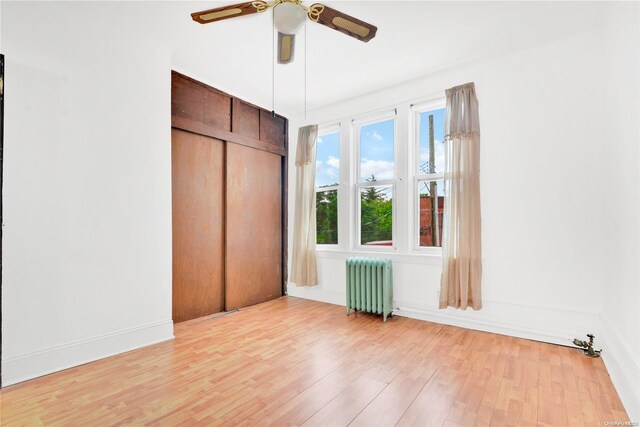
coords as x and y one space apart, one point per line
461 249
303 269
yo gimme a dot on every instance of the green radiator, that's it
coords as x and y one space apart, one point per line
369 285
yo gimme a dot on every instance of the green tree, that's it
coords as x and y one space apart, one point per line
372 194
376 210
327 217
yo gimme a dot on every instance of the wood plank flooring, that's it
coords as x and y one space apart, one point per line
297 362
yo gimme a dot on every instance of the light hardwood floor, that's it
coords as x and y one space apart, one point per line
297 362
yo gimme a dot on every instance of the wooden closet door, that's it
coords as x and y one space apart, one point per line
254 226
198 224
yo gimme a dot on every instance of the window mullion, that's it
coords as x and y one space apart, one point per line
323 189
430 176
385 183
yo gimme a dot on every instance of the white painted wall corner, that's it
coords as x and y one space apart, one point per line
624 369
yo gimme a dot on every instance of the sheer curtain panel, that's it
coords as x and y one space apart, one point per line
461 246
303 264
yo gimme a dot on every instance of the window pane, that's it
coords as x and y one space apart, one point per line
431 141
376 216
327 217
431 194
376 151
328 160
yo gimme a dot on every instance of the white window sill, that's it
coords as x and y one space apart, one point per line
406 258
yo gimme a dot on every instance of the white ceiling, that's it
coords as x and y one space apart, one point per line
414 38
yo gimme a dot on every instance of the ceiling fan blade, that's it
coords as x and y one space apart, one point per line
231 11
342 22
286 47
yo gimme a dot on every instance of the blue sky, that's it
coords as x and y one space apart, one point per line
328 160
376 150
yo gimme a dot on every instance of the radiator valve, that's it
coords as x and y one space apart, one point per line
587 346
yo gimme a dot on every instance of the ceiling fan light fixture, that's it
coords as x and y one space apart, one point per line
289 17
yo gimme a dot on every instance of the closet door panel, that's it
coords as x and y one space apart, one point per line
245 119
272 129
254 226
198 224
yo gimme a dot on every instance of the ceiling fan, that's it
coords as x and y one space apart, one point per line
289 15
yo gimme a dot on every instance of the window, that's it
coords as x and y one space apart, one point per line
376 181
389 195
429 174
327 184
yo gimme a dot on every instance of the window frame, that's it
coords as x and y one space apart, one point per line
356 126
322 131
418 177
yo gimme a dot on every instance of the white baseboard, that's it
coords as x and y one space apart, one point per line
624 369
28 366
546 324
316 294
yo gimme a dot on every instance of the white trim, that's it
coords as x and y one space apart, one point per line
329 246
314 293
429 176
367 250
329 128
428 250
384 183
437 102
329 188
623 367
402 212
420 259
546 324
382 115
345 197
53 359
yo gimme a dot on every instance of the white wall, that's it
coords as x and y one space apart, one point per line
541 128
560 192
87 191
621 248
